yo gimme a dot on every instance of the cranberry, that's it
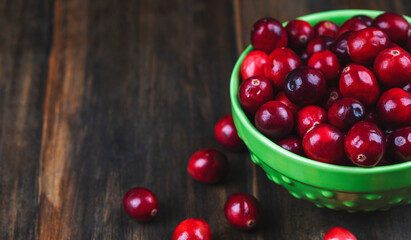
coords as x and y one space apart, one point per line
395 25
318 44
226 133
407 87
292 144
359 82
339 233
254 92
268 34
372 116
305 86
308 117
393 67
365 144
352 24
284 100
326 28
274 119
304 57
299 33
208 165
366 19
280 62
394 107
327 63
192 229
339 47
242 211
140 204
332 96
401 144
345 113
253 64
363 46
324 136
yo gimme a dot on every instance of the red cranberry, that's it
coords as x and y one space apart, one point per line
280 62
284 100
359 82
366 19
324 136
268 34
254 92
318 44
332 96
363 46
226 133
395 25
339 47
208 165
242 211
309 116
140 204
345 113
393 67
299 33
305 86
274 119
394 107
407 87
372 116
339 233
352 24
292 144
253 64
326 28
401 144
365 144
327 63
192 229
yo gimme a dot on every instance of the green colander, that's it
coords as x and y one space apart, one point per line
330 186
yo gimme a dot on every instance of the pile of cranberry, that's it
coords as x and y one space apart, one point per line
336 94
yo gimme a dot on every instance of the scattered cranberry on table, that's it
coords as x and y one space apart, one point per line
140 204
339 233
243 211
226 133
192 229
208 165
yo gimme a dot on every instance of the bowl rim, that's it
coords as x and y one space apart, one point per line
234 84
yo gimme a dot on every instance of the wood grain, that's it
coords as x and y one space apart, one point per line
100 96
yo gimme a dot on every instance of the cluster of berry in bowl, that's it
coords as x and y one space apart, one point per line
335 94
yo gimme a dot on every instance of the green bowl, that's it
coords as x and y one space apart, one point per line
334 187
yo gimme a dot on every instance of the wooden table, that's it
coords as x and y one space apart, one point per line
100 96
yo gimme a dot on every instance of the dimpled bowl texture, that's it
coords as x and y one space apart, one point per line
327 186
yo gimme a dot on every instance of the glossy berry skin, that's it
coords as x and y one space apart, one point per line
192 229
140 204
393 67
274 119
359 82
318 44
327 63
326 28
253 64
352 24
208 165
332 96
268 34
363 46
226 133
254 92
366 19
395 25
401 144
309 116
345 113
242 211
299 33
339 47
284 100
305 86
394 107
407 87
281 61
292 144
325 136
364 144
339 233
